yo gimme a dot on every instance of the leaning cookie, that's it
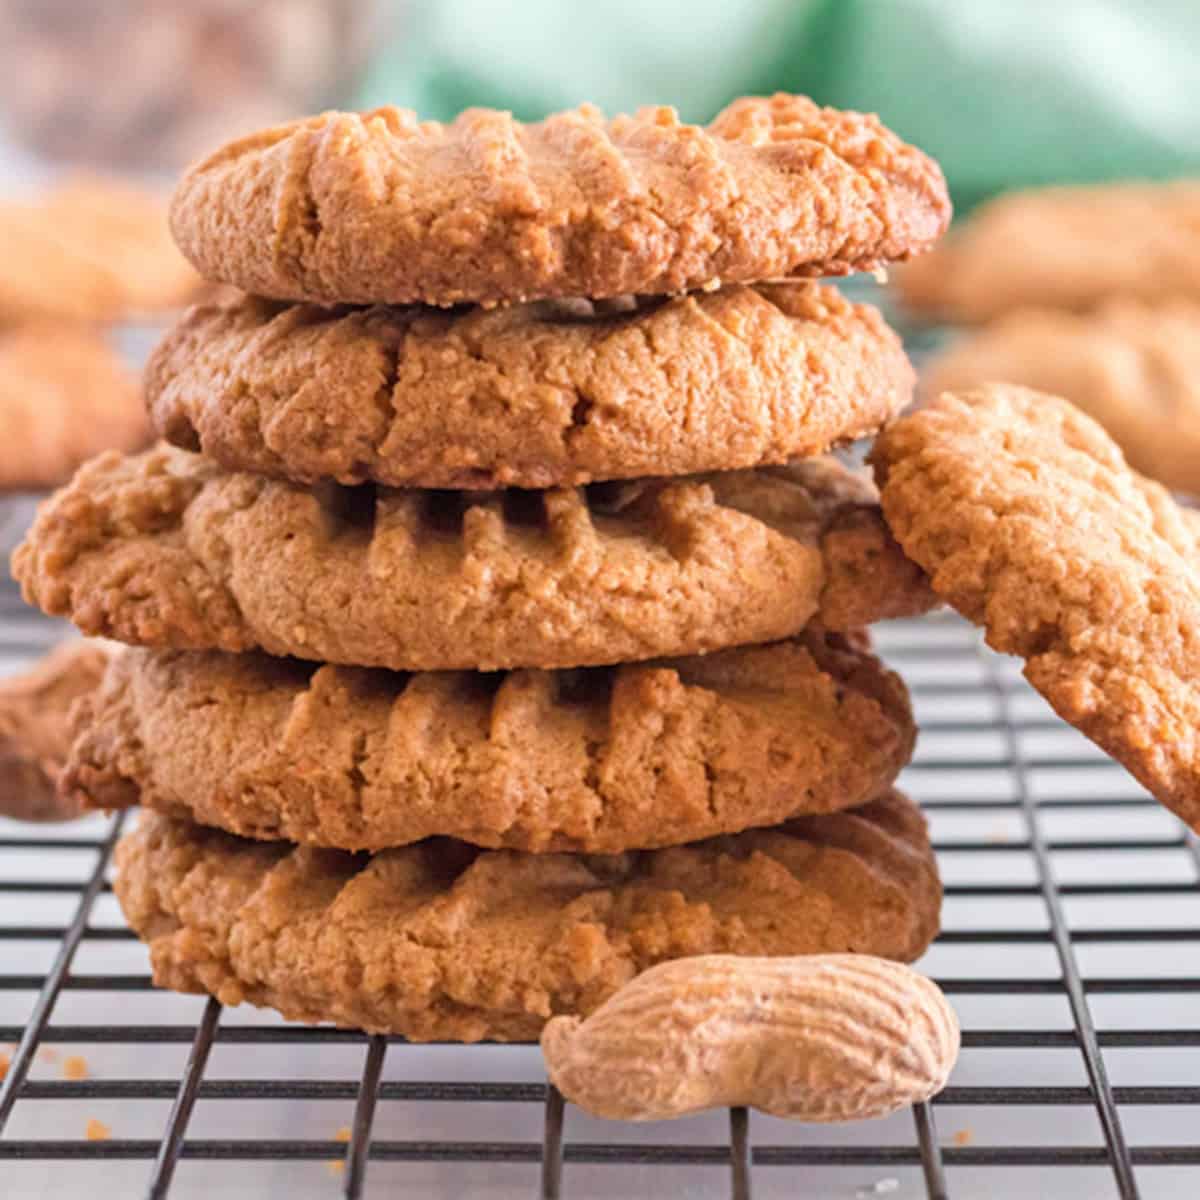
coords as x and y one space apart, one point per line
528 396
378 207
1030 523
1064 247
1134 367
65 395
438 940
598 760
166 549
36 729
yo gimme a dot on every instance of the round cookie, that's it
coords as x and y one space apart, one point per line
64 396
440 941
90 249
166 549
36 729
1062 247
597 760
529 396
1029 522
1134 367
377 207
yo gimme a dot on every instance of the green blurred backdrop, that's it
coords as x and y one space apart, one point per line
1005 93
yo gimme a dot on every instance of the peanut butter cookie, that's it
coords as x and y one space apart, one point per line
167 549
1028 520
378 207
1063 247
528 396
1134 367
439 940
35 729
64 396
91 249
598 760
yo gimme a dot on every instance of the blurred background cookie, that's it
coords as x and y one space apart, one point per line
65 394
1065 248
35 729
1134 367
90 249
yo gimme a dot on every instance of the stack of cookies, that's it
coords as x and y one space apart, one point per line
497 647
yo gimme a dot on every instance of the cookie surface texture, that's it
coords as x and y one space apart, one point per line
540 395
376 207
439 941
600 760
1031 524
165 549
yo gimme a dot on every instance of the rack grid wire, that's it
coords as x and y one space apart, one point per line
1070 950
1071 930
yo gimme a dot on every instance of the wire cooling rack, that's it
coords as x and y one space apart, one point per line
1071 951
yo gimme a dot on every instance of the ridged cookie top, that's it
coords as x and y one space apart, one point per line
1030 523
597 760
378 207
166 549
440 941
539 395
1134 367
1063 247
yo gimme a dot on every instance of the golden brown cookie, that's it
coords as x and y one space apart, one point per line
1030 523
166 549
35 729
90 249
597 760
1134 367
64 396
1062 247
377 207
439 940
530 396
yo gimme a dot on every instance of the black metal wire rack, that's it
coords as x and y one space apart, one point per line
1071 950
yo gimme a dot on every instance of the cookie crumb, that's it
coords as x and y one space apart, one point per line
337 1165
97 1131
4 1061
46 1054
964 1137
75 1067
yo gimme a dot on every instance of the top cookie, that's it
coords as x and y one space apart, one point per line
1026 516
1062 248
378 207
